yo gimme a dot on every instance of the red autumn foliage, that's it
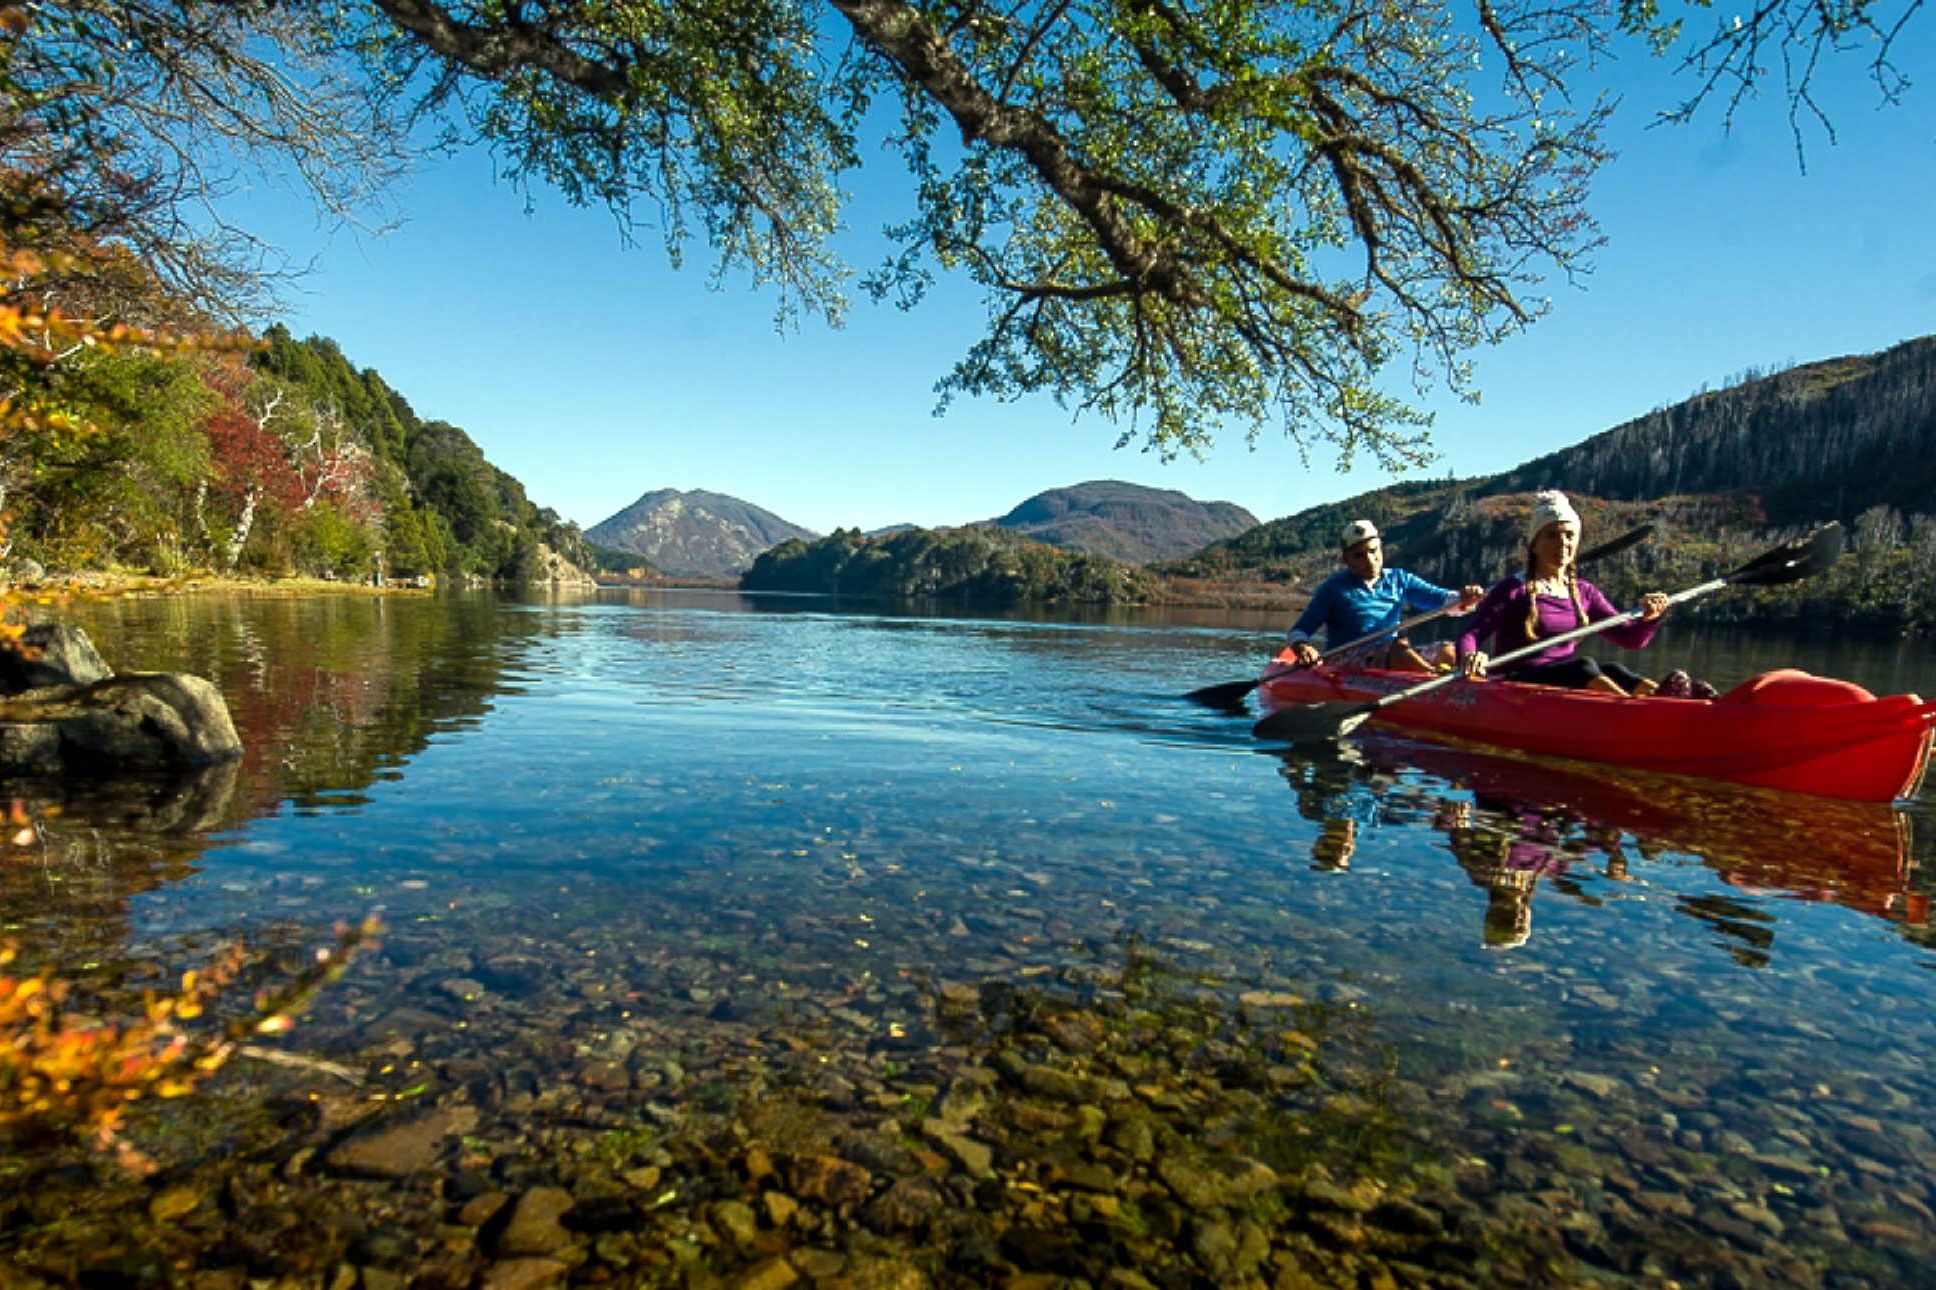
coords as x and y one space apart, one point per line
254 460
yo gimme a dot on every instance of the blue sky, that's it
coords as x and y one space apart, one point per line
594 372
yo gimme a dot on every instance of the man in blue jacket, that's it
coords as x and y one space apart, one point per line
1364 598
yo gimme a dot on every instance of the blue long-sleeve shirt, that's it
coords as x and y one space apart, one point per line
1345 607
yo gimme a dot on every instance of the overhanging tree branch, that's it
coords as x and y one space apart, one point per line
1184 214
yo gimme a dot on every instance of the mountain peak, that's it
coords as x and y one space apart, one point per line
696 533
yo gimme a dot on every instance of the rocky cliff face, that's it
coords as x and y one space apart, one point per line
695 534
554 570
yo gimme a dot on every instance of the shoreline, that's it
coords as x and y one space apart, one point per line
109 582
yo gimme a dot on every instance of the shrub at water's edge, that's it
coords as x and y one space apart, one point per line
972 564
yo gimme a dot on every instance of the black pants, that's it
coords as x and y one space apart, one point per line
1574 673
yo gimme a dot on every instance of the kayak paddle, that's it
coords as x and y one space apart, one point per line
1790 562
1229 695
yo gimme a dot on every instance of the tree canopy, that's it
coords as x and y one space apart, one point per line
1184 215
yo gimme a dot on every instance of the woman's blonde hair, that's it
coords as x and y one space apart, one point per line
1532 597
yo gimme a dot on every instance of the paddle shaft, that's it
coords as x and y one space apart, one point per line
1394 630
1230 694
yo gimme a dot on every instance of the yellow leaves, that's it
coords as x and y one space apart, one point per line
41 335
62 1077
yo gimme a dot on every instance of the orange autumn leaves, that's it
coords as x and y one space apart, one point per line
66 1074
40 334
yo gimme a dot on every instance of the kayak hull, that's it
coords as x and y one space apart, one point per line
1785 730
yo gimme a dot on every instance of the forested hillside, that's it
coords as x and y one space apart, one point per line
984 565
209 452
444 507
1720 476
1824 440
1124 521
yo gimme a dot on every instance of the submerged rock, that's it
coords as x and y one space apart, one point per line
1215 1181
397 1150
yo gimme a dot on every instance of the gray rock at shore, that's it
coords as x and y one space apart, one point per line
145 721
66 714
24 572
50 654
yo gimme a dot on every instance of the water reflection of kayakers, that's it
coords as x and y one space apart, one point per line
1550 598
1507 868
1335 844
1508 862
1341 799
1365 597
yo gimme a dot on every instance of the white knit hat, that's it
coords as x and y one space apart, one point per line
1357 531
1549 507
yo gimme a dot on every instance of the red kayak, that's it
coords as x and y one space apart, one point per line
1787 729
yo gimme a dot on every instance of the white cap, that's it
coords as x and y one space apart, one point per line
1549 507
1355 532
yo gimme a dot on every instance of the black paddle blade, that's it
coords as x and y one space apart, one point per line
1229 696
1792 561
1309 722
1614 546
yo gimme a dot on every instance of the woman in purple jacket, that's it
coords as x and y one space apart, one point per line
1550 598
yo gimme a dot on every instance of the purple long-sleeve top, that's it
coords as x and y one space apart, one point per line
1501 617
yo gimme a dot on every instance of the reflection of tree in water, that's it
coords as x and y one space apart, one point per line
1515 825
328 693
95 846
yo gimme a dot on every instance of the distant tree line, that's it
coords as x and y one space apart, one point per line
610 561
1819 441
980 565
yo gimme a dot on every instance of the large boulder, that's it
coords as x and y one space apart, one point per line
72 717
554 571
23 572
